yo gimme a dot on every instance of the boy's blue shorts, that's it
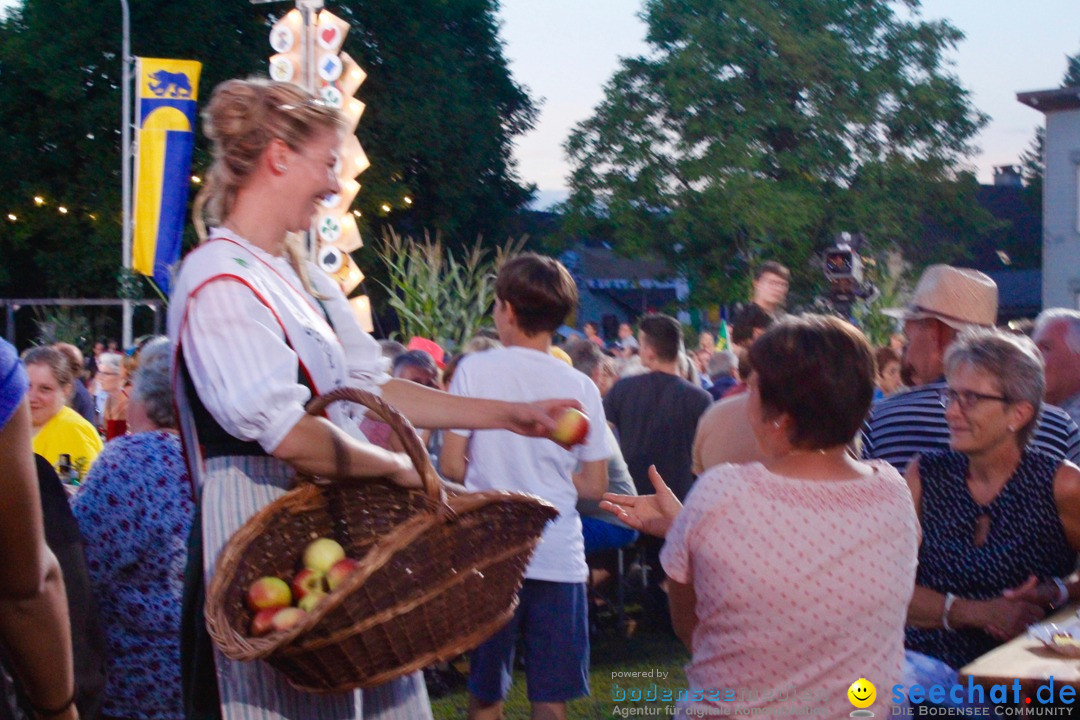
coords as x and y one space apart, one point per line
552 620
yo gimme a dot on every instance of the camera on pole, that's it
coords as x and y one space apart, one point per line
843 268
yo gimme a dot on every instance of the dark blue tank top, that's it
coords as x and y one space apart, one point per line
1025 538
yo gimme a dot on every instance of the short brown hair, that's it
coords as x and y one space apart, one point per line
771 266
51 358
819 370
539 289
73 355
664 335
746 321
883 356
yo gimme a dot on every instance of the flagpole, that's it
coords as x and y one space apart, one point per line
125 143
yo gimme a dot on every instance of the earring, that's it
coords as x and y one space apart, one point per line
280 167
1012 429
776 424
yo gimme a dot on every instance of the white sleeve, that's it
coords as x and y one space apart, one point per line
242 368
596 445
368 368
460 385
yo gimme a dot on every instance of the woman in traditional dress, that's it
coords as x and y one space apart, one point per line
259 331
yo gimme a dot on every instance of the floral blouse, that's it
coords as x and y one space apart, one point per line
135 510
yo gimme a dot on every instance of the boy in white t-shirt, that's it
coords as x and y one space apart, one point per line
534 294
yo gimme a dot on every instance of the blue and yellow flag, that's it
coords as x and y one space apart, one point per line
165 119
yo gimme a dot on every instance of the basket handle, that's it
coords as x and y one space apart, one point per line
401 426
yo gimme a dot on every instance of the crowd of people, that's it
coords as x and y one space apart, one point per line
899 511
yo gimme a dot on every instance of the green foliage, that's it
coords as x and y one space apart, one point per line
1033 161
1072 71
437 294
61 324
1033 168
442 113
757 130
887 274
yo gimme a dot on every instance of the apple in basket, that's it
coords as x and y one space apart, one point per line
285 618
268 592
341 570
308 582
309 601
571 427
321 555
263 622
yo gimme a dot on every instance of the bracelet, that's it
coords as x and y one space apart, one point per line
1063 593
51 712
949 600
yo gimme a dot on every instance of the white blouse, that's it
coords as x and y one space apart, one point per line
240 363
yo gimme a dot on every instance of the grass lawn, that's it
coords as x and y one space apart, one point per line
648 652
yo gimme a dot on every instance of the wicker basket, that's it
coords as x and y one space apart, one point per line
437 576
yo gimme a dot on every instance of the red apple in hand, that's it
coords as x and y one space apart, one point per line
306 582
321 555
341 570
285 618
263 622
268 592
571 427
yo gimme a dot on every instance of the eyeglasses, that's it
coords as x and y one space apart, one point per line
967 399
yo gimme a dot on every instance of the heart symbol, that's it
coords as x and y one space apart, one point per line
328 35
328 258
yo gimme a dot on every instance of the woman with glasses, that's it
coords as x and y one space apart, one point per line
1000 520
795 571
112 379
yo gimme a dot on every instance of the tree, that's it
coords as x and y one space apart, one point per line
1033 168
442 112
1033 161
758 129
1072 71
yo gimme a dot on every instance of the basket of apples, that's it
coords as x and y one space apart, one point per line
344 585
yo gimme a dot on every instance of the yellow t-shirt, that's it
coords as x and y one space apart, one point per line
68 432
558 352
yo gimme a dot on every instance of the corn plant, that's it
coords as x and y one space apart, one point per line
888 274
436 294
61 324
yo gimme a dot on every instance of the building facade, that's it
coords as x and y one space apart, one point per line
1061 194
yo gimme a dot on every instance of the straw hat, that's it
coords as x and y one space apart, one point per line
958 297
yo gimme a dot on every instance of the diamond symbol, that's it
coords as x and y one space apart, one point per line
330 67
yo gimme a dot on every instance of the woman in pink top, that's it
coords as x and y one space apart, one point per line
789 579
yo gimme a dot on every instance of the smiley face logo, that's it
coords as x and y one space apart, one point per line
862 693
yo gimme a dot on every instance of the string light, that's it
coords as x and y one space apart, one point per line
62 209
12 217
408 200
357 213
38 200
385 207
196 179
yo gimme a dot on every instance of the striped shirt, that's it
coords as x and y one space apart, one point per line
914 422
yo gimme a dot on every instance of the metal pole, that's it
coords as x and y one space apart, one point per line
125 142
309 12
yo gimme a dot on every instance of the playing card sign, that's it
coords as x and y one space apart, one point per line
337 78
